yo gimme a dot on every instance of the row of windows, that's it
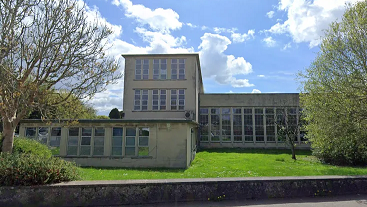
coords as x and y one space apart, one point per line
159 99
160 69
89 141
248 125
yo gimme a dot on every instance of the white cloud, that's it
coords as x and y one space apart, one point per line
219 30
269 41
256 91
261 76
286 46
270 14
307 19
191 25
223 68
237 37
158 19
204 27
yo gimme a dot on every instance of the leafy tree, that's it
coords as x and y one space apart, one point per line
102 117
114 114
335 91
48 46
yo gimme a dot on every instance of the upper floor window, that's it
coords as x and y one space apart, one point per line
178 99
142 69
178 69
159 99
141 100
160 69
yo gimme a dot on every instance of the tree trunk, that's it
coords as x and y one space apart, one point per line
8 135
293 153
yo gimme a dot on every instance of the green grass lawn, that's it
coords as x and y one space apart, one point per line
231 163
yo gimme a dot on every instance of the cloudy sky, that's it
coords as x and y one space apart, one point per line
245 46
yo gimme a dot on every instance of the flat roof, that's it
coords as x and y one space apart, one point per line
109 121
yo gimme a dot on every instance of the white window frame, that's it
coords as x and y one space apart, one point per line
122 142
183 75
142 96
95 137
141 69
158 68
181 107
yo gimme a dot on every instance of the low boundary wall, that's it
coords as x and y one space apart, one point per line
94 193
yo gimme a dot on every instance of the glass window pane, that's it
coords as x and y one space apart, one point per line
99 141
130 141
143 141
130 132
73 141
143 151
74 132
99 132
86 131
85 150
116 141
98 150
72 150
130 151
86 140
117 151
30 132
143 131
55 141
56 131
117 132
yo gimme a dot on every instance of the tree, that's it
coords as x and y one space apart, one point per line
102 117
46 47
114 114
335 91
288 128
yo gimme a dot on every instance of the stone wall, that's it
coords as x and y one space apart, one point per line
82 193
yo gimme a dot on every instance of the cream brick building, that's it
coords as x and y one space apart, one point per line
167 116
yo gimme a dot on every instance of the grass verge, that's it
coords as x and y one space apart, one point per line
231 163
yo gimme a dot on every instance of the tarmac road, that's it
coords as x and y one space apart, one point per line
337 201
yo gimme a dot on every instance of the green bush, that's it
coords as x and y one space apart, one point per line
29 169
29 146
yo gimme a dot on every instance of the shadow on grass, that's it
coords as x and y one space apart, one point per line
257 151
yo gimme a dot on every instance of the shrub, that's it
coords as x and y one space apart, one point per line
29 146
29 169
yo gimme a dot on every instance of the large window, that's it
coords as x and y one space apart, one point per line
130 142
259 125
117 141
178 99
178 69
280 113
292 121
237 124
73 141
226 125
270 125
248 125
99 134
159 99
86 140
49 136
142 69
143 142
204 124
141 100
160 69
215 125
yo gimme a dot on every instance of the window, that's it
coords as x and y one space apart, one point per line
73 140
181 99
259 125
270 125
130 142
280 114
160 69
43 135
248 125
215 124
85 144
237 125
55 140
142 69
159 99
99 134
30 132
204 124
174 99
178 69
162 97
143 143
141 100
226 125
302 124
117 137
292 121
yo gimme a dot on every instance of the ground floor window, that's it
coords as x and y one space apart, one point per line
43 135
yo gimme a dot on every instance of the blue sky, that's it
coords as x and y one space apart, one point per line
245 46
